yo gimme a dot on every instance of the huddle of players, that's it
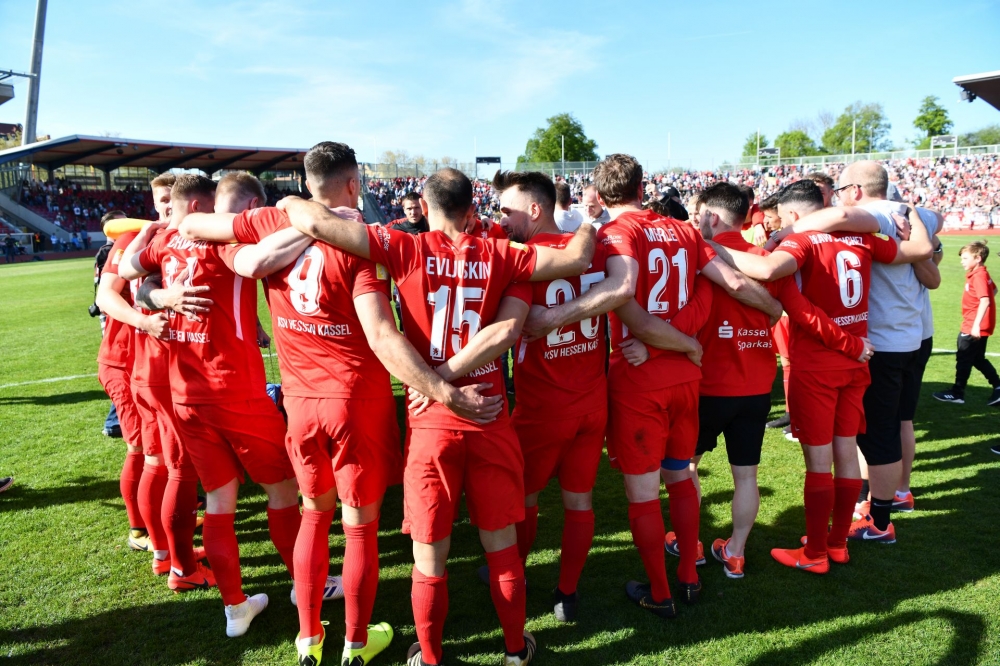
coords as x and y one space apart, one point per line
689 335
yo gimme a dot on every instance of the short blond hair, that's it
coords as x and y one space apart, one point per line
163 180
244 184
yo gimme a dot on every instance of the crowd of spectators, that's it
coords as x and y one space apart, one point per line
78 210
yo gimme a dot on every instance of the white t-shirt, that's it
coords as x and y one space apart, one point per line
895 318
568 220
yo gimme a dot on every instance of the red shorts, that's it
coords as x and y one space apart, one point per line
827 403
156 405
117 384
644 428
781 334
351 444
224 439
568 448
441 464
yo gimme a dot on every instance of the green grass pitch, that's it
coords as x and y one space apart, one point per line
71 592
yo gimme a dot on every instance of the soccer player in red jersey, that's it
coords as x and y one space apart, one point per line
226 420
453 285
826 387
653 407
561 409
342 438
139 478
738 369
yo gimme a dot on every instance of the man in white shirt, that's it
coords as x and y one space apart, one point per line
593 211
567 219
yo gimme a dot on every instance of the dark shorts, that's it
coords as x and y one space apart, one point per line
880 443
740 419
912 381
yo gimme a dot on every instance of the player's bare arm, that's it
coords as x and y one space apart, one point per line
400 358
918 247
216 227
574 259
339 227
655 332
186 300
129 267
111 302
742 288
927 272
614 290
829 220
490 342
271 254
776 265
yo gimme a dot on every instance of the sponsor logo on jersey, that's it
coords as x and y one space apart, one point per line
725 331
518 246
380 272
851 319
880 236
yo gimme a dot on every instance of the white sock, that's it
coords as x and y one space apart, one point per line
161 554
352 645
311 640
901 494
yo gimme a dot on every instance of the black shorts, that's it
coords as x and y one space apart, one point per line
880 443
912 381
741 419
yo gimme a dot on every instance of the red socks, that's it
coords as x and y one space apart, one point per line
360 579
507 590
786 373
526 531
685 516
312 564
178 514
819 497
283 525
578 534
429 597
219 535
646 521
845 492
151 487
129 484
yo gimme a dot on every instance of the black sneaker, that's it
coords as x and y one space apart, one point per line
951 396
113 431
690 592
565 605
640 594
994 397
996 449
780 422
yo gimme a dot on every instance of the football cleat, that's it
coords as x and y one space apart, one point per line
905 504
950 396
115 432
379 637
530 646
780 422
640 594
994 397
690 592
796 559
836 555
310 655
861 509
5 483
731 564
162 567
995 449
564 605
670 545
239 616
865 530
414 656
201 579
334 589
139 540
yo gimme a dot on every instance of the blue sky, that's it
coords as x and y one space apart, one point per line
438 79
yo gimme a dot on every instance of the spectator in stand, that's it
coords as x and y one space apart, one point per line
414 221
9 245
594 212
567 219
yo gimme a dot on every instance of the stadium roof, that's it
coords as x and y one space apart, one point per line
984 86
109 153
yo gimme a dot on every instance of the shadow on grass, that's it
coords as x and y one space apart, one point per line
80 489
57 399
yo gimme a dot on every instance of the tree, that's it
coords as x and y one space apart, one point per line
932 119
796 143
750 145
872 127
545 145
10 140
987 136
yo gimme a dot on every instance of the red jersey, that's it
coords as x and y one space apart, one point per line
448 292
978 285
669 253
152 355
562 375
117 348
322 349
217 359
494 230
834 272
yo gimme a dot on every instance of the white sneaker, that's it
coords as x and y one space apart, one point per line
334 589
238 617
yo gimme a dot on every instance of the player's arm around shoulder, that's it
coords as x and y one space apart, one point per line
342 227
745 290
216 227
574 259
759 267
271 254
490 341
918 247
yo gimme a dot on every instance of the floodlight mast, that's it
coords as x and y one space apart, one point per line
31 114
